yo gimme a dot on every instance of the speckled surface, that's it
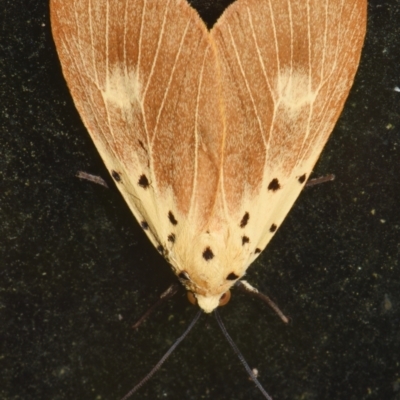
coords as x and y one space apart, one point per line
76 271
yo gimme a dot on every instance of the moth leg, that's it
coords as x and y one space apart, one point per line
321 179
166 295
245 287
92 178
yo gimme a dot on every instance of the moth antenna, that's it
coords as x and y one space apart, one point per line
164 357
166 295
245 287
321 179
240 355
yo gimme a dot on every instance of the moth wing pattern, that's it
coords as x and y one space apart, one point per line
210 136
144 79
285 83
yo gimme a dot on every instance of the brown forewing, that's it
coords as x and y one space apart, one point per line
287 68
144 79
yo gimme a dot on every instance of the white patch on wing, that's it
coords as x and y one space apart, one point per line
123 89
294 91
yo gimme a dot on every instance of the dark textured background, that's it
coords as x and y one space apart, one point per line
76 270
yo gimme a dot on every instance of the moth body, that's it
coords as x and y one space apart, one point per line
209 135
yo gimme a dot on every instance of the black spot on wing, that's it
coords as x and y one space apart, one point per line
160 249
245 240
184 276
245 220
274 185
208 254
171 237
273 228
144 225
116 176
302 178
232 276
172 219
143 181
257 251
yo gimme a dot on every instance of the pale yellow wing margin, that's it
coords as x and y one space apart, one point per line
139 73
287 67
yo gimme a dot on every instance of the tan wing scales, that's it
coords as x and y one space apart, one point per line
143 78
287 68
210 136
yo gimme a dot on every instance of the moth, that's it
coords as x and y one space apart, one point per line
210 135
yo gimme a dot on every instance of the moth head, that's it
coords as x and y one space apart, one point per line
209 303
206 296
208 266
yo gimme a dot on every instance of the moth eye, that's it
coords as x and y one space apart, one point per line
257 251
274 185
273 228
245 220
171 238
184 275
302 178
143 181
224 298
208 254
245 240
116 175
232 276
172 219
191 297
144 225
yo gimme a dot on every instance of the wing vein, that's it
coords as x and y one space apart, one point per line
267 141
166 91
140 45
247 85
92 43
196 131
348 34
124 37
259 54
291 42
160 37
87 93
278 65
